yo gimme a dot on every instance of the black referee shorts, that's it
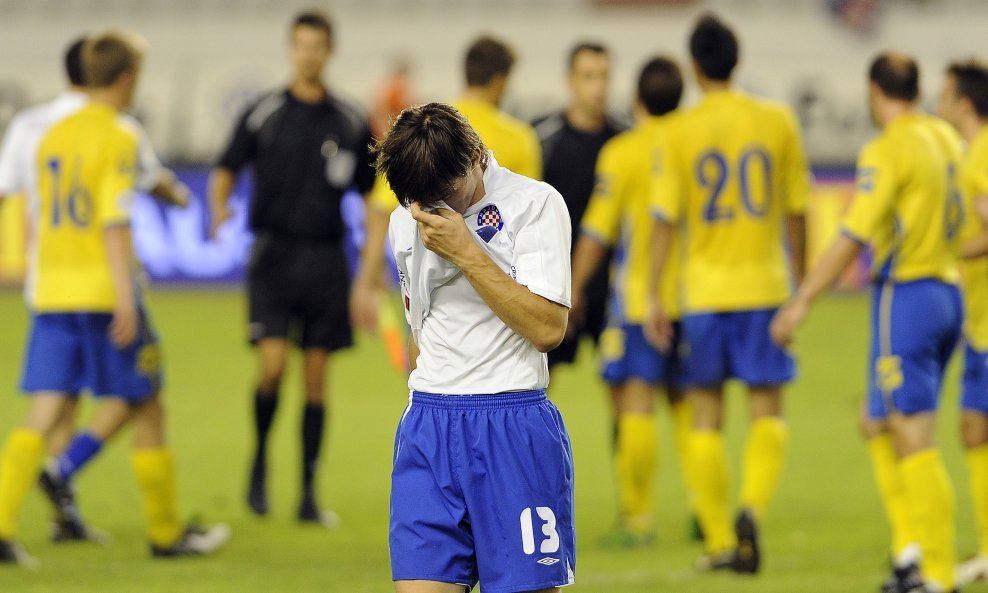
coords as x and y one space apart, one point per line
299 291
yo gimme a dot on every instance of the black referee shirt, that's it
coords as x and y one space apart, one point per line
305 156
569 157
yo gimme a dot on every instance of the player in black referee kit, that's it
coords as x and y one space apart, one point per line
307 148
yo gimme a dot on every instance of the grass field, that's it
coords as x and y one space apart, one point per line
825 532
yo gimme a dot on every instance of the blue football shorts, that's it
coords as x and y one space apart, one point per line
915 328
716 347
625 354
72 352
975 382
482 491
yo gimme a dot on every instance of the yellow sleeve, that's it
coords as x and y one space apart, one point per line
602 219
531 155
118 181
381 196
978 175
666 188
874 195
795 170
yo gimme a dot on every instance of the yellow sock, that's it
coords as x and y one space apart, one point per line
682 427
154 469
19 462
636 459
764 457
891 489
931 502
977 469
711 476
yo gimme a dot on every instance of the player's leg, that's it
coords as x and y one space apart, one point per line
925 325
974 434
681 416
711 475
705 367
154 469
272 356
61 434
315 366
323 309
629 368
636 459
764 450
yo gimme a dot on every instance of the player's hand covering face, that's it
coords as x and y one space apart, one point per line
443 232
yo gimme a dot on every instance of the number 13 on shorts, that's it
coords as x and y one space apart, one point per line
550 541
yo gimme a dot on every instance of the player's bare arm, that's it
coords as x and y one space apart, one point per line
363 294
123 328
838 256
170 190
657 327
796 225
539 320
976 246
587 256
221 182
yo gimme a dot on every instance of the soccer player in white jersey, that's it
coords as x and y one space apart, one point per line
482 483
18 177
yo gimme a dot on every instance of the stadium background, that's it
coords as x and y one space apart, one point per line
208 57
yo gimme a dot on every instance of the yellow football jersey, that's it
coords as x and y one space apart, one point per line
86 170
730 170
513 142
619 211
906 204
974 272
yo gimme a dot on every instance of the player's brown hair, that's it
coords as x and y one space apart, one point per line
714 48
585 46
972 82
108 56
660 85
427 154
486 58
897 75
315 18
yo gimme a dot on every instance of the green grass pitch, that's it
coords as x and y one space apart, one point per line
825 532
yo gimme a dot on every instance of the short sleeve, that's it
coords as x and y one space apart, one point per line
13 158
242 146
796 177
382 197
148 164
531 155
542 251
873 196
602 220
665 193
978 175
117 181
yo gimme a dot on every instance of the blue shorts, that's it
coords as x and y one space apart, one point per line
716 347
915 328
72 352
482 490
626 354
975 395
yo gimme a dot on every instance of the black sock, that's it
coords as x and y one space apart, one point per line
313 421
265 405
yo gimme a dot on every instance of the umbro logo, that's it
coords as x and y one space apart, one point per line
547 561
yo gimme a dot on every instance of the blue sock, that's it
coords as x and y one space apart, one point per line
82 448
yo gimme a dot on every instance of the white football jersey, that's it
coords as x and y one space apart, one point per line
464 348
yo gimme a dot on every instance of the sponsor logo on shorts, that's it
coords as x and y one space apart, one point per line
547 561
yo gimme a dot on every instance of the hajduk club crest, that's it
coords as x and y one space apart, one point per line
489 222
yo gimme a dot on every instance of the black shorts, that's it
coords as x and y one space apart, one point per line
595 298
299 291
